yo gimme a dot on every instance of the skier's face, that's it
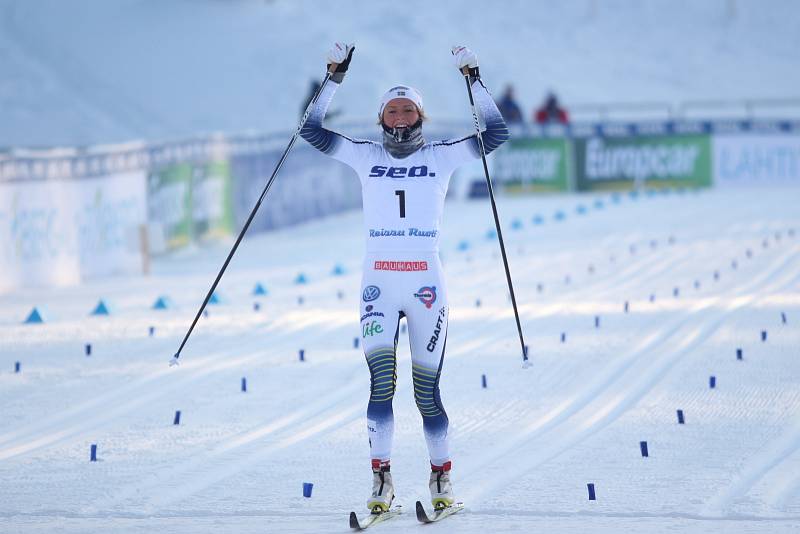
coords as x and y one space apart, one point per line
400 113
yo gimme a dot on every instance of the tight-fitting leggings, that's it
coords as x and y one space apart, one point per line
410 286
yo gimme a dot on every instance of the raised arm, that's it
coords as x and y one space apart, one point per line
496 131
455 152
331 143
320 138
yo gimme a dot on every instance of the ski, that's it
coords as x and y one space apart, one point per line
423 516
365 522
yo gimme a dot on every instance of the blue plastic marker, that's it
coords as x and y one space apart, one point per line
712 382
783 317
592 496
643 447
680 417
244 385
308 487
16 367
151 331
738 354
302 355
626 306
93 453
355 342
763 335
177 419
563 337
597 321
483 381
88 349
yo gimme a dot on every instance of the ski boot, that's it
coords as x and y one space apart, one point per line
440 486
382 488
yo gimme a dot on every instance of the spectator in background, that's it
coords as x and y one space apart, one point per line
509 108
550 112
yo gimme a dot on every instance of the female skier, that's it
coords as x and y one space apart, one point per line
404 180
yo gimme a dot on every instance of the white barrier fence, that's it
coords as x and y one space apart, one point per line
69 215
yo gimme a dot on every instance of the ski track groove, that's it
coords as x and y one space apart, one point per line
554 429
116 402
637 375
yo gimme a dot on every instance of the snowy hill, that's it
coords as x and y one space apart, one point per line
703 274
93 71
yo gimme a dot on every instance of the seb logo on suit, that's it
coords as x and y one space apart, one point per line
400 172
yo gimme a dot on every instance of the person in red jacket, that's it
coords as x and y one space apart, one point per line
550 112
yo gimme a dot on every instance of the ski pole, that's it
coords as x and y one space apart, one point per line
465 70
313 101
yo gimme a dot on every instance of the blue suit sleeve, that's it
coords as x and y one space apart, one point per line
496 131
340 147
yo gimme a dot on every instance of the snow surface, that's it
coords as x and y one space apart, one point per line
99 71
524 448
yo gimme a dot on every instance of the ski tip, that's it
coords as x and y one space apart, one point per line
421 515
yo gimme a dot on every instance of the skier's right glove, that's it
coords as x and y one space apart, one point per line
466 59
340 54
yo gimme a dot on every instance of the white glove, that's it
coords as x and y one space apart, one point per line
464 57
339 52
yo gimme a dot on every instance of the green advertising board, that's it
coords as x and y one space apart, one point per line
532 165
604 163
212 200
169 201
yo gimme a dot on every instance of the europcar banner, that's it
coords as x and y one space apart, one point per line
212 200
531 165
169 205
603 163
750 159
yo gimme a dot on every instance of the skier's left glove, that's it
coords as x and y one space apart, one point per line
466 58
340 54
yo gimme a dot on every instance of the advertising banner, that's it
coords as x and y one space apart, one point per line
38 238
109 211
169 206
212 200
310 185
532 165
750 159
603 163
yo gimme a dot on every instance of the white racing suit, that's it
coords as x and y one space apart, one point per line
403 201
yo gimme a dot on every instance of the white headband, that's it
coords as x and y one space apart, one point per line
401 91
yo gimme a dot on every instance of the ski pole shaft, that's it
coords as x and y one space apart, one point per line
313 101
496 216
